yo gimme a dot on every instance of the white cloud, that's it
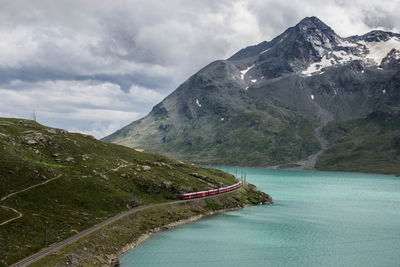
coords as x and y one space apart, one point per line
80 101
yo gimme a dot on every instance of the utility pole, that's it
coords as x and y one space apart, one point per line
5 249
45 233
34 115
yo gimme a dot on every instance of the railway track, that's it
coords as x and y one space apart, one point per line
56 246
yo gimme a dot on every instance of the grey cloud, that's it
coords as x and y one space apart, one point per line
145 47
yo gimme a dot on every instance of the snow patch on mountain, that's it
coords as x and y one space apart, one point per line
245 71
198 103
345 43
371 53
265 51
379 50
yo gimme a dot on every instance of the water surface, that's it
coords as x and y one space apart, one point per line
318 219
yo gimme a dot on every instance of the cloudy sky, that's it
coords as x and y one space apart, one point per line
95 66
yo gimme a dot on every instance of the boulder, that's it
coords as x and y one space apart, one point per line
6 123
30 141
132 203
146 168
69 159
52 131
115 262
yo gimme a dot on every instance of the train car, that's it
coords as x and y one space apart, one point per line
188 196
211 192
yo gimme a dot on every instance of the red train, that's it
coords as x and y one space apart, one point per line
212 192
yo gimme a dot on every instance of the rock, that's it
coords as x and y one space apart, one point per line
115 262
134 203
146 168
123 175
30 142
69 159
179 163
56 155
44 139
198 175
35 138
52 131
205 178
6 123
168 185
102 175
139 150
85 157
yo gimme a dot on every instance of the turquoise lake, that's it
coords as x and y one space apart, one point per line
318 219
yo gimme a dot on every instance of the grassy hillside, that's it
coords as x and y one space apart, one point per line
95 180
371 144
257 135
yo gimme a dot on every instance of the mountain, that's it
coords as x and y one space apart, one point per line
266 104
70 182
370 144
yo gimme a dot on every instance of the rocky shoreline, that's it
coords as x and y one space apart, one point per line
103 247
114 259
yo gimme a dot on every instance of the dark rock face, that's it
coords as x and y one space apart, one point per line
261 106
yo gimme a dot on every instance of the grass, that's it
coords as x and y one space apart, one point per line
6 214
114 237
251 138
371 144
98 181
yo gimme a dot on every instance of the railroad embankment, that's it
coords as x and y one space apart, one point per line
105 245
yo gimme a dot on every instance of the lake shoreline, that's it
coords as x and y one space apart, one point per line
146 236
321 218
134 229
301 168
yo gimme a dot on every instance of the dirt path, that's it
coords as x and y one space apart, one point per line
28 188
309 163
74 238
19 214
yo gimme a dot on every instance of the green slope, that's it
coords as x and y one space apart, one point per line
371 144
98 180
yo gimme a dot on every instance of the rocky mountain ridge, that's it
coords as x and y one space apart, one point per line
261 106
